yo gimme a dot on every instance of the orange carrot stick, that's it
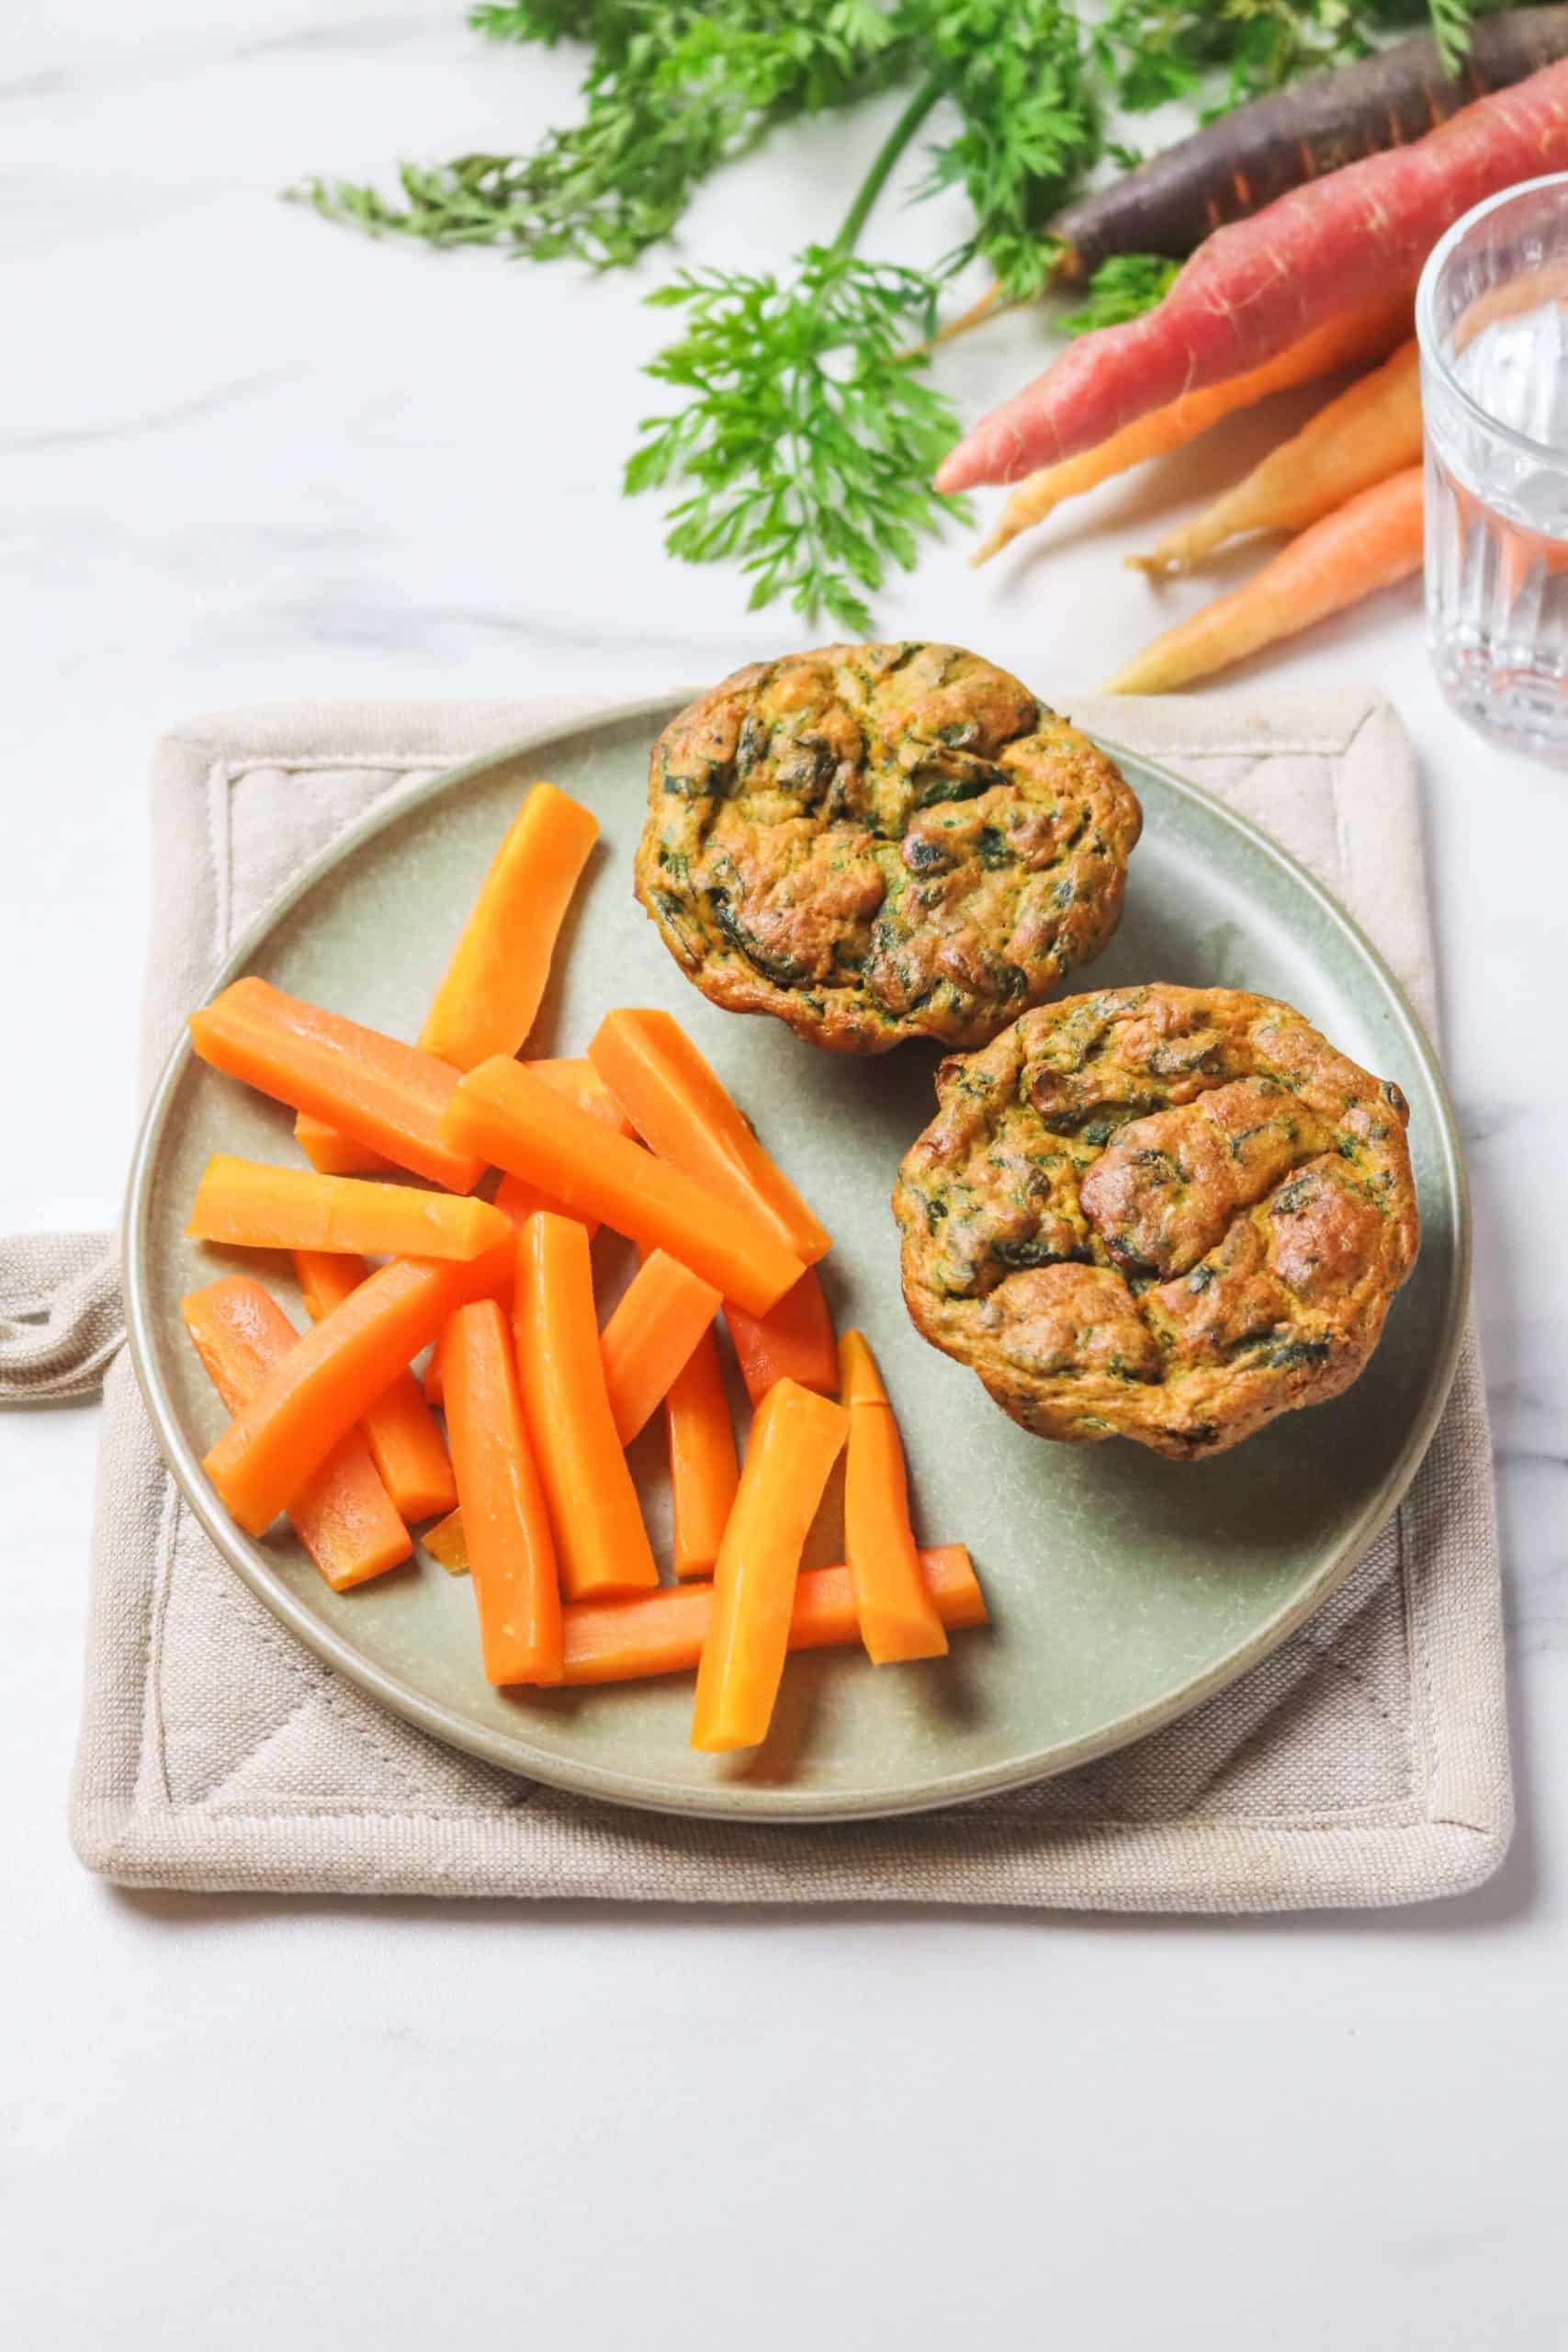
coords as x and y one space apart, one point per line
581 1084
342 1514
504 1112
382 1093
660 1318
704 1468
665 1632
406 1445
339 1368
795 1439
600 1538
1368 544
1343 342
251 1205
793 1341
332 1153
675 1101
506 1529
897 1620
488 999
446 1541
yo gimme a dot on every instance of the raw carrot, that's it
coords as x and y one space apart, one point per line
446 1541
795 1439
504 1112
664 1632
704 1469
387 1095
1368 544
1343 342
332 1153
342 1514
251 1205
600 1538
897 1620
677 1103
660 1316
490 995
506 1529
793 1341
1341 243
1372 430
352 1356
406 1445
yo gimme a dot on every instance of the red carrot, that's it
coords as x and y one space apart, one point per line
1344 242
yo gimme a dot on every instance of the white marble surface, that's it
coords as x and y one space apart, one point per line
245 457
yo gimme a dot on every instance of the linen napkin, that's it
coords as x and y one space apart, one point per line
1364 1763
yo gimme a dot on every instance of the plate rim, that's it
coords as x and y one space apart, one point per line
769 1806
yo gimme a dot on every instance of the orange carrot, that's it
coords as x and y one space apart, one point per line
674 1099
504 1112
251 1205
325 1383
1371 543
660 1318
446 1541
793 1341
406 1445
1372 430
665 1632
488 999
704 1469
1343 342
506 1529
897 1620
332 1153
387 1095
581 1084
795 1439
342 1514
600 1538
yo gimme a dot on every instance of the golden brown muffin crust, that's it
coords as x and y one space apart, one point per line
1162 1212
882 841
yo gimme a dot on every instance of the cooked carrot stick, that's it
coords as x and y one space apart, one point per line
581 1084
406 1445
1251 289
794 1341
342 1514
704 1468
488 999
332 1153
601 1541
897 1620
446 1541
1372 430
504 1112
506 1528
387 1095
664 1632
1371 543
675 1101
251 1205
1343 342
325 1383
660 1316
795 1439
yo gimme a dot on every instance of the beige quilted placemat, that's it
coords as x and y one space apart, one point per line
1365 1762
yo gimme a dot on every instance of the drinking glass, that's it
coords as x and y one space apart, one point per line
1492 318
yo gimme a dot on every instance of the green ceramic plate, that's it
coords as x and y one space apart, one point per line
1123 1589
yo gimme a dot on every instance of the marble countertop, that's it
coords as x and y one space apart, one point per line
245 457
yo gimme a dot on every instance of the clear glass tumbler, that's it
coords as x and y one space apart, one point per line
1492 316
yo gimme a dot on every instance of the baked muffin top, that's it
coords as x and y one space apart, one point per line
882 841
1160 1213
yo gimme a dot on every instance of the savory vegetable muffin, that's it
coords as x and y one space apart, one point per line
882 841
1167 1214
